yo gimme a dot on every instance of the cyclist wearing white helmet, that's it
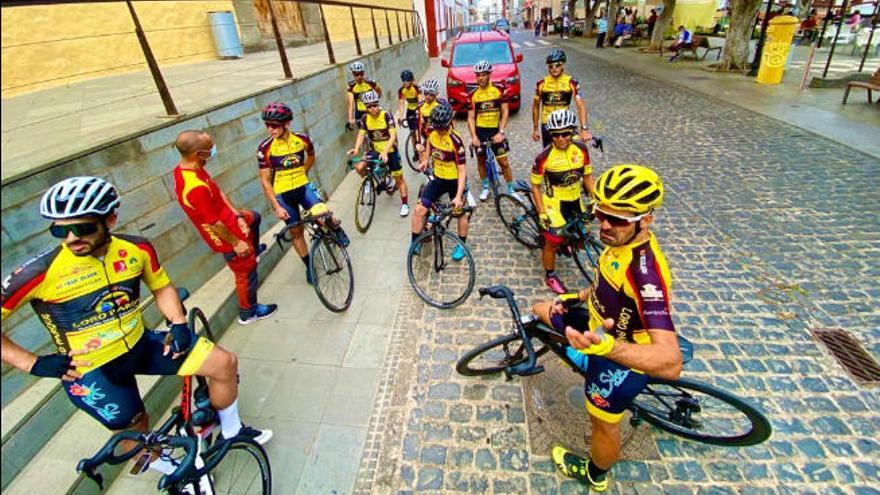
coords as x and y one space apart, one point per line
356 88
561 172
555 92
409 95
378 126
430 90
86 291
487 117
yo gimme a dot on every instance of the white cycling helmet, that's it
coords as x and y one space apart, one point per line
356 67
370 97
79 197
431 86
561 119
482 66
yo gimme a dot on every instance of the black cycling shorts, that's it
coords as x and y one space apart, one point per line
485 134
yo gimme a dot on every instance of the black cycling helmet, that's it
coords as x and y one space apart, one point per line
277 112
441 115
407 76
556 55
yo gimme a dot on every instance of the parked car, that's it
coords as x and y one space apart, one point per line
502 25
478 27
470 48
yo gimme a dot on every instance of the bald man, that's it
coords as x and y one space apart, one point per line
231 232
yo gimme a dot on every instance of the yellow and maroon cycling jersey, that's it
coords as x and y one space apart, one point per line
286 158
447 153
556 93
358 89
424 113
486 105
411 95
632 287
378 129
564 170
87 303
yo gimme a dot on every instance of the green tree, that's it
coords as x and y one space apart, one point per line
735 56
662 24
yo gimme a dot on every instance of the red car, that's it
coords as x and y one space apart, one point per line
470 48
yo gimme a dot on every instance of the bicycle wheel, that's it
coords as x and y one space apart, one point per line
243 468
492 174
497 354
332 276
197 321
518 219
587 257
412 158
364 205
701 412
438 279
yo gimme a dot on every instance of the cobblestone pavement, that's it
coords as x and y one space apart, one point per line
769 231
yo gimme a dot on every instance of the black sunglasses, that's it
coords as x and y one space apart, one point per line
78 229
372 105
560 134
556 65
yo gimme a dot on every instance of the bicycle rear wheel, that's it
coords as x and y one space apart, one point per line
587 257
243 468
518 219
364 205
332 275
496 355
701 412
438 279
412 159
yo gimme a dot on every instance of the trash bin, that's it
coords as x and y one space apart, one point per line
225 34
774 56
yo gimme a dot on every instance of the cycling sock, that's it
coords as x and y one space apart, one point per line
464 239
162 465
596 473
550 273
485 183
509 188
413 238
305 260
230 421
404 200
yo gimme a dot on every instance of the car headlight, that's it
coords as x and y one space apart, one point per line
452 82
512 80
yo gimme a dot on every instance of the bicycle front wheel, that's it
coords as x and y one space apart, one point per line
198 322
587 257
437 278
332 275
412 157
701 412
243 468
496 355
364 205
515 215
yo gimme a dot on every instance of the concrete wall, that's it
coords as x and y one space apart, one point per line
140 166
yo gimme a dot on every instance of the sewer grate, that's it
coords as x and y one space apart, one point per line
850 354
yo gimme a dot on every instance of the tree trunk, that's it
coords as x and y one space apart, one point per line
591 17
611 15
662 24
742 23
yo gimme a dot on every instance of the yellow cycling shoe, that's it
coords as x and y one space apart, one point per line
575 467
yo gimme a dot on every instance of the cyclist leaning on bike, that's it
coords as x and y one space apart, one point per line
355 90
379 127
86 292
556 92
430 90
630 300
445 149
560 173
409 95
487 119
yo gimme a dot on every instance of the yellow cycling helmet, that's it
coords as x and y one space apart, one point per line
630 188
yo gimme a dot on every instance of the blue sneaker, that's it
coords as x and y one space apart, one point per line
342 237
458 253
256 313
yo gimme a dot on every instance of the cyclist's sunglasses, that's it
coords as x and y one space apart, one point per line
357 74
372 105
560 134
78 229
556 65
614 220
274 125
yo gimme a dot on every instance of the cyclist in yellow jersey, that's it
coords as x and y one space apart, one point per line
86 292
445 149
430 90
378 126
487 119
626 330
555 92
284 159
408 98
563 171
356 88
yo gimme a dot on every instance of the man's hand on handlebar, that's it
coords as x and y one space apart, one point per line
475 142
351 152
585 135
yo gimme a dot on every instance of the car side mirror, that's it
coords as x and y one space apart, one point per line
519 57
444 62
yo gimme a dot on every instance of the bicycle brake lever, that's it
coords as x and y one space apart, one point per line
89 472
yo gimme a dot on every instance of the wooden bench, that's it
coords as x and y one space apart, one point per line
872 84
696 42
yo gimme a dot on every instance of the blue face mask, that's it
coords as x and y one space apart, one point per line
213 152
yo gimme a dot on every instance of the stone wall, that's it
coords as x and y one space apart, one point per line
140 166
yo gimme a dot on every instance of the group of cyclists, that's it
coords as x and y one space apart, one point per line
86 291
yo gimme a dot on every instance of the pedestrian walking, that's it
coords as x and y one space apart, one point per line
566 24
602 30
652 20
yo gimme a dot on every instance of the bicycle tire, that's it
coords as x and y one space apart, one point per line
410 151
464 365
518 220
494 181
646 406
587 257
225 479
364 206
341 261
436 281
195 316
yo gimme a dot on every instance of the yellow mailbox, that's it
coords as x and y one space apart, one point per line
780 32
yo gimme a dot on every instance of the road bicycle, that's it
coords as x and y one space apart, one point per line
439 280
684 407
190 439
493 171
330 271
377 181
412 155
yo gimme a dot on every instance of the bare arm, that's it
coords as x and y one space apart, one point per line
536 113
661 358
268 191
581 110
169 304
310 160
472 124
539 199
589 183
505 114
15 355
350 97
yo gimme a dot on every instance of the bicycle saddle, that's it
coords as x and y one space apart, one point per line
496 292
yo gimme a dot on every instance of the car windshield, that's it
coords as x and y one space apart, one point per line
496 52
475 28
501 23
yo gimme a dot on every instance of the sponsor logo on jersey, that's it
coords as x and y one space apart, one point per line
119 266
123 253
649 292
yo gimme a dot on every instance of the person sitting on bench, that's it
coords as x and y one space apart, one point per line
684 39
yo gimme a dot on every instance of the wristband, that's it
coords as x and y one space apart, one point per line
601 349
569 299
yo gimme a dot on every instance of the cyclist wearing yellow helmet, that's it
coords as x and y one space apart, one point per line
628 312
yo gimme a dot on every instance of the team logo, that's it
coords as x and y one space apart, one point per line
79 390
598 400
615 265
123 253
290 161
113 300
649 292
119 266
643 262
92 344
